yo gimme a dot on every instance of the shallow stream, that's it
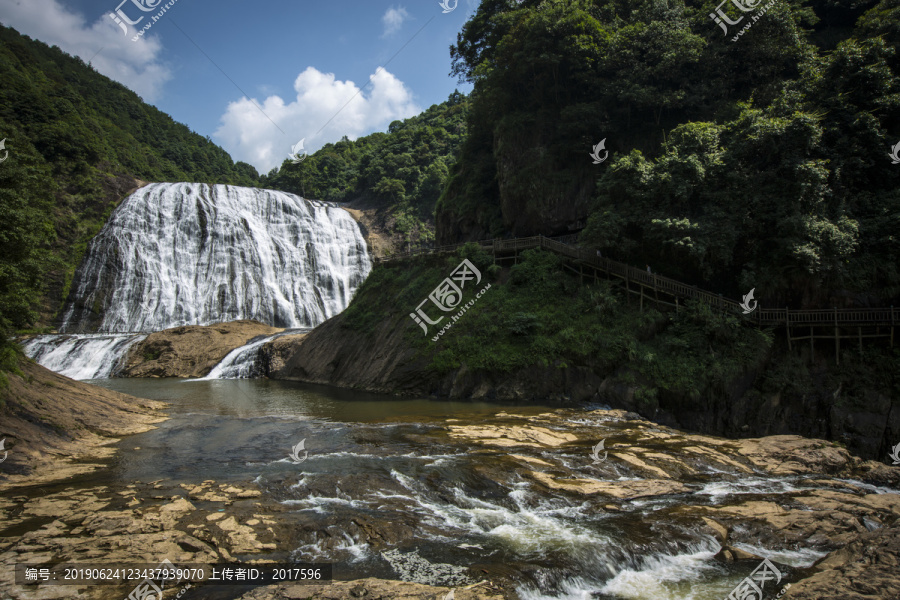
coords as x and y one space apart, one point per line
447 511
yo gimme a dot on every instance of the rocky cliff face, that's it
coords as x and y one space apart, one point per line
384 362
534 191
536 196
333 355
190 351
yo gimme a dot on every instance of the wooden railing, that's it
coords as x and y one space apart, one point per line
664 285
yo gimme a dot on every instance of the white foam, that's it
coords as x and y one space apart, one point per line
574 588
356 550
802 558
319 503
525 530
83 356
655 577
872 488
756 485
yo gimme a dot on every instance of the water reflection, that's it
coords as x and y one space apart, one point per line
387 467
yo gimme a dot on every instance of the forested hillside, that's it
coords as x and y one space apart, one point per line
77 142
735 161
401 172
762 162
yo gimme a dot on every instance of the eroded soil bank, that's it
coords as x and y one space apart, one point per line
56 427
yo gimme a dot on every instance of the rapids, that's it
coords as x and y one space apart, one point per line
389 489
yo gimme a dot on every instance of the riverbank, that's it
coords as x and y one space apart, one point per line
545 336
790 499
56 427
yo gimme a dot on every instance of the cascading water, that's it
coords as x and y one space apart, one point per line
177 254
241 363
88 356
191 254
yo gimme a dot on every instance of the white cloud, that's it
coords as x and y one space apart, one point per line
134 64
393 20
248 135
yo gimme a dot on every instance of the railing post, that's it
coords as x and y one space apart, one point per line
787 320
837 340
655 292
812 345
892 325
627 286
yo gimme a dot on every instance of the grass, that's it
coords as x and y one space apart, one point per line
537 314
152 354
10 355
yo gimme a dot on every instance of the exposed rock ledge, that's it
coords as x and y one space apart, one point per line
208 521
371 589
190 351
54 425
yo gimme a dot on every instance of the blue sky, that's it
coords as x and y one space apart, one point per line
299 61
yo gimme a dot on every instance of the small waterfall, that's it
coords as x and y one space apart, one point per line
241 363
85 356
192 254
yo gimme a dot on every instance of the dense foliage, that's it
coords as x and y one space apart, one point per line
713 369
760 162
404 169
76 142
538 314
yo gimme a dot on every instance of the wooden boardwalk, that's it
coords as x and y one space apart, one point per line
809 324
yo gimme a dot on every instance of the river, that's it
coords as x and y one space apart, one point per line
447 509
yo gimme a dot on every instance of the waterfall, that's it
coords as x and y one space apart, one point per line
175 254
90 356
192 254
242 362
